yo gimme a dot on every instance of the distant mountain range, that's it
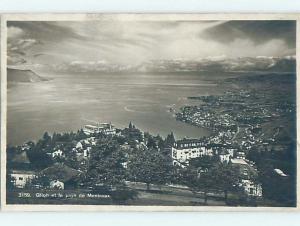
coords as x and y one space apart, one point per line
215 64
16 75
209 64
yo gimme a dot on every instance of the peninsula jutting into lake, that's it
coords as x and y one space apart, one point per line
129 124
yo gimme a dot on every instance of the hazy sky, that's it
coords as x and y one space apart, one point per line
131 42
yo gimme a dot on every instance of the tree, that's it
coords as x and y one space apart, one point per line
170 140
105 164
46 137
38 158
278 188
203 182
132 134
80 135
226 178
10 182
106 172
71 160
130 125
275 187
10 153
151 143
204 162
149 166
41 181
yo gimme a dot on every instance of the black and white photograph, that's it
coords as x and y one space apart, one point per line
144 110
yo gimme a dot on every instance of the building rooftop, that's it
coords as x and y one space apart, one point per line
280 172
21 157
239 161
14 171
224 152
185 143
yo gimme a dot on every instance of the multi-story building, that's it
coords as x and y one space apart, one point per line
247 174
105 128
224 156
57 153
22 177
186 149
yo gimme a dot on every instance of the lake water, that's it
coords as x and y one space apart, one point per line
68 102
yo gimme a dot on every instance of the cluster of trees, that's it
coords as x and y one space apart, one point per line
152 165
148 160
206 173
145 162
110 166
149 166
281 189
37 152
106 164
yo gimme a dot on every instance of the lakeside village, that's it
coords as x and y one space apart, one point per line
244 157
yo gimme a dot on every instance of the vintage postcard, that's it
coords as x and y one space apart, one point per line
149 112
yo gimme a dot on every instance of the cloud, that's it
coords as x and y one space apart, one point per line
18 47
14 32
132 42
257 31
46 31
247 47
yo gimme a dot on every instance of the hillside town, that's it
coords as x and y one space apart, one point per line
182 151
70 160
247 159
